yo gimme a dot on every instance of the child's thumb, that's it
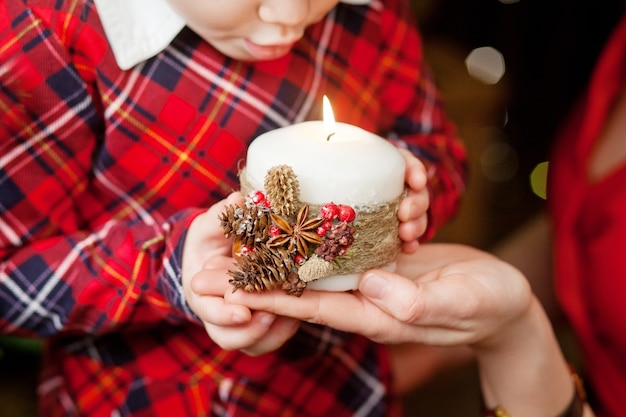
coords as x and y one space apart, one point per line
209 221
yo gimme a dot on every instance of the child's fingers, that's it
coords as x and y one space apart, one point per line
208 288
213 310
410 231
213 278
415 172
209 220
281 330
412 210
413 206
243 336
412 213
410 247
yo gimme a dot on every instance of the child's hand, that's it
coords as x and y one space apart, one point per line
205 239
233 326
412 211
206 260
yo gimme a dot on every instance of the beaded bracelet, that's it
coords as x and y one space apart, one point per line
574 409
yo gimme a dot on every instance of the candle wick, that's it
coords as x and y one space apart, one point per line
328 138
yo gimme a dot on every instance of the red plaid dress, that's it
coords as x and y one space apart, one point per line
589 229
102 169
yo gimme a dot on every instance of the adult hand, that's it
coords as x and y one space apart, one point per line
450 295
442 294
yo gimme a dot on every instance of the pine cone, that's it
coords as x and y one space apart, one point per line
293 285
250 223
283 190
264 269
229 219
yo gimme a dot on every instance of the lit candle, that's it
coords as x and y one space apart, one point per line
341 163
333 162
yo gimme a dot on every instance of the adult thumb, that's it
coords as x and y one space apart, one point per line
392 293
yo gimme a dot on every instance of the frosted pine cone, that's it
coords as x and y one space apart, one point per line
249 223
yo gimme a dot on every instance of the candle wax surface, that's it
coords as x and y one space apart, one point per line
353 166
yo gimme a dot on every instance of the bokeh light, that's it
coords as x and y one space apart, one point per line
539 180
485 64
499 160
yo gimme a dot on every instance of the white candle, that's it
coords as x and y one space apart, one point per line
334 162
353 166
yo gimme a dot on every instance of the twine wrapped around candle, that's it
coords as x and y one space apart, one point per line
376 242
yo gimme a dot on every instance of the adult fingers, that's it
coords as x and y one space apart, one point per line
312 306
396 295
344 311
352 312
428 301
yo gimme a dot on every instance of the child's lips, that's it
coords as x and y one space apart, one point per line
267 52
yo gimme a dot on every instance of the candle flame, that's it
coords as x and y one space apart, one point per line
329 118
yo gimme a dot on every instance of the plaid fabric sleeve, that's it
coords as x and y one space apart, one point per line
417 116
66 265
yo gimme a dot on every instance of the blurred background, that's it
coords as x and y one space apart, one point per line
509 70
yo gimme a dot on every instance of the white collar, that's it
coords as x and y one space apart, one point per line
140 29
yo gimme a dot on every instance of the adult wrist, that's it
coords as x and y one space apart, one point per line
575 407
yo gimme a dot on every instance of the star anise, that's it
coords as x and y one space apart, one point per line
298 235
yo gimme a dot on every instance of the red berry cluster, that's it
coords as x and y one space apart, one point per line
337 233
332 211
258 198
